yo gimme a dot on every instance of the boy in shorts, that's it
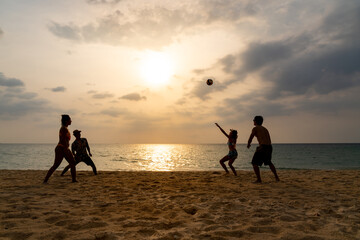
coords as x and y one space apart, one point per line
263 152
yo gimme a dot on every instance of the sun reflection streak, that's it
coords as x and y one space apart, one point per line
159 158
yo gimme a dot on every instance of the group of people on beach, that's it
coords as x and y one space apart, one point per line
262 154
80 149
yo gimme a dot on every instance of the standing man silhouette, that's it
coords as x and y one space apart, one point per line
263 152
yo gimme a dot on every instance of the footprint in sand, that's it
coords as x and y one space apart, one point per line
190 210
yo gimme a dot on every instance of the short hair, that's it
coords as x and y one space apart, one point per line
258 120
64 119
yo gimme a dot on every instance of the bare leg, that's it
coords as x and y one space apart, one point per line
222 163
70 158
65 170
59 155
257 173
273 169
231 161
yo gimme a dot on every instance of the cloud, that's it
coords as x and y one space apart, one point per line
133 97
70 32
323 61
1 32
202 90
231 10
9 82
102 95
112 112
316 70
330 65
152 27
57 89
15 102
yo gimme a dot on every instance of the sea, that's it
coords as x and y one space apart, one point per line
183 157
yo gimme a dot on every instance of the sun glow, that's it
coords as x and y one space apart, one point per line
156 68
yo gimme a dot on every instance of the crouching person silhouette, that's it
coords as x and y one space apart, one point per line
80 149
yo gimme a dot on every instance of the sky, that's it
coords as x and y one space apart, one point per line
135 71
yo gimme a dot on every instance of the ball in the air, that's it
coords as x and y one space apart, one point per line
209 82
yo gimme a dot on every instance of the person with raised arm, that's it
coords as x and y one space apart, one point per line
232 155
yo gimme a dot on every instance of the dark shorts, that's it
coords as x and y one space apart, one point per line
86 159
262 155
232 154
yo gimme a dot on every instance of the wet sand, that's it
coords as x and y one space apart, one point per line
304 205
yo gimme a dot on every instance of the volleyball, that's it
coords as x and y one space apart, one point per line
209 82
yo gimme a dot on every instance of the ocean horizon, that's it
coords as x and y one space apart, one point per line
183 157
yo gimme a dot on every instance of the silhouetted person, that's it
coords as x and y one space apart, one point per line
232 155
78 148
263 152
62 150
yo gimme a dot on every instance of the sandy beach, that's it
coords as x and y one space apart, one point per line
304 205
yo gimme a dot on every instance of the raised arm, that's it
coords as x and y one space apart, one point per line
222 130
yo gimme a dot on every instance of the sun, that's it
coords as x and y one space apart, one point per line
156 68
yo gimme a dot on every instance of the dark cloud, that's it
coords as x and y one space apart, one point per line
133 97
153 27
324 61
70 31
332 65
10 82
316 71
244 107
15 102
343 23
324 73
228 62
57 89
261 55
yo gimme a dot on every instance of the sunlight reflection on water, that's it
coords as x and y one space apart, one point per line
163 157
158 158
